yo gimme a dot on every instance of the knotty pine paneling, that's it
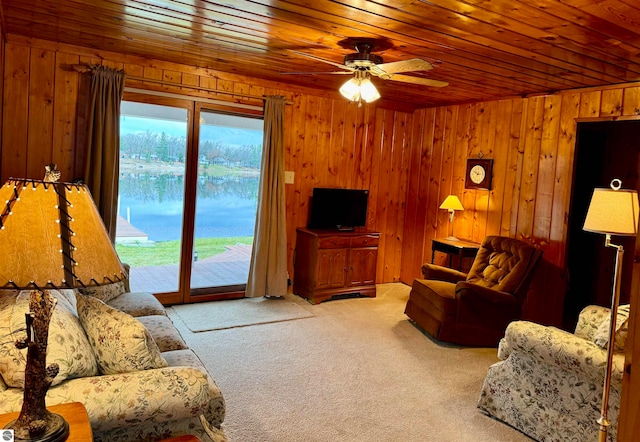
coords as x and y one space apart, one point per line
329 142
532 143
410 162
2 41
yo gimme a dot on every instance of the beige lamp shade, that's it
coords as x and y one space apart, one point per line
451 203
52 236
613 212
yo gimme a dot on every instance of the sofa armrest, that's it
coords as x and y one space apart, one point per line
440 273
568 352
149 396
138 304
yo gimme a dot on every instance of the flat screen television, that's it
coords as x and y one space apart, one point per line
342 209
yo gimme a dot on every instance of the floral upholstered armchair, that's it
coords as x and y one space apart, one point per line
549 382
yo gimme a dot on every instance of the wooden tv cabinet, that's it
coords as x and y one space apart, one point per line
331 262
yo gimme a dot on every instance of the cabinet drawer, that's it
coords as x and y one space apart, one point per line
364 241
333 242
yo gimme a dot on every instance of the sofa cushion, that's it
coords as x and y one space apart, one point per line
589 321
104 293
138 304
68 345
120 342
601 336
183 358
163 331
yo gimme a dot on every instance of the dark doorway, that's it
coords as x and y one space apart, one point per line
604 151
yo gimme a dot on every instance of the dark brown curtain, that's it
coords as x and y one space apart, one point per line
103 142
268 268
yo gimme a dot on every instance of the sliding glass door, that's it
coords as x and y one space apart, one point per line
187 198
153 148
229 155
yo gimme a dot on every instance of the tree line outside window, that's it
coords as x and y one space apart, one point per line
152 146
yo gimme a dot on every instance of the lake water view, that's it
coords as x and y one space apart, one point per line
153 203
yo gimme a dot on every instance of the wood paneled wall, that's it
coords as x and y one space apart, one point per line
531 141
329 142
409 162
2 49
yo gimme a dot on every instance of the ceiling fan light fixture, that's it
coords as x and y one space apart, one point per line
359 88
364 64
351 89
368 91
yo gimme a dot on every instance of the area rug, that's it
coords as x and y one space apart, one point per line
219 315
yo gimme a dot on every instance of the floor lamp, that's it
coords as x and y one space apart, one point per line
612 211
451 203
52 237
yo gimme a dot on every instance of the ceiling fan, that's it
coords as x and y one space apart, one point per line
363 64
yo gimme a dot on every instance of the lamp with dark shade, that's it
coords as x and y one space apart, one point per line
51 237
612 211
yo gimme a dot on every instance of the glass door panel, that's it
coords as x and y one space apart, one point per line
229 158
153 150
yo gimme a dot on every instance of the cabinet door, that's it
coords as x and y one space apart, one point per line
332 268
363 266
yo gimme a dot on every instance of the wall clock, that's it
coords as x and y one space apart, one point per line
478 173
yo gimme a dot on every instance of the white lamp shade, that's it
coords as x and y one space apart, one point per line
359 88
351 90
613 212
368 91
451 203
51 235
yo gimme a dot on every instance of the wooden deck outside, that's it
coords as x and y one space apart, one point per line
125 232
228 268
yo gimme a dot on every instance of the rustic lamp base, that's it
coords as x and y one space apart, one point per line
57 430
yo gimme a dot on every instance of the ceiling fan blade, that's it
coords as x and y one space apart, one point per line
323 60
414 64
317 73
417 80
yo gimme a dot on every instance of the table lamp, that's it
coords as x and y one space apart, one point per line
451 203
612 212
51 237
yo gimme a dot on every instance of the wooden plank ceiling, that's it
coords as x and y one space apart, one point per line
484 49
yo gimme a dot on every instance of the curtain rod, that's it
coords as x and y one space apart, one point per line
198 99
86 68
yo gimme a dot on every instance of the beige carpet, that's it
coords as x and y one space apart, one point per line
219 315
357 370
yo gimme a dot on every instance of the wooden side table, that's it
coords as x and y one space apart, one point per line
74 413
460 248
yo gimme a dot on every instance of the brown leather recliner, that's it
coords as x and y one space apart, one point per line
475 308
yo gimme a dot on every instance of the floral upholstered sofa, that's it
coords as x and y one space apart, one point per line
549 382
120 355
